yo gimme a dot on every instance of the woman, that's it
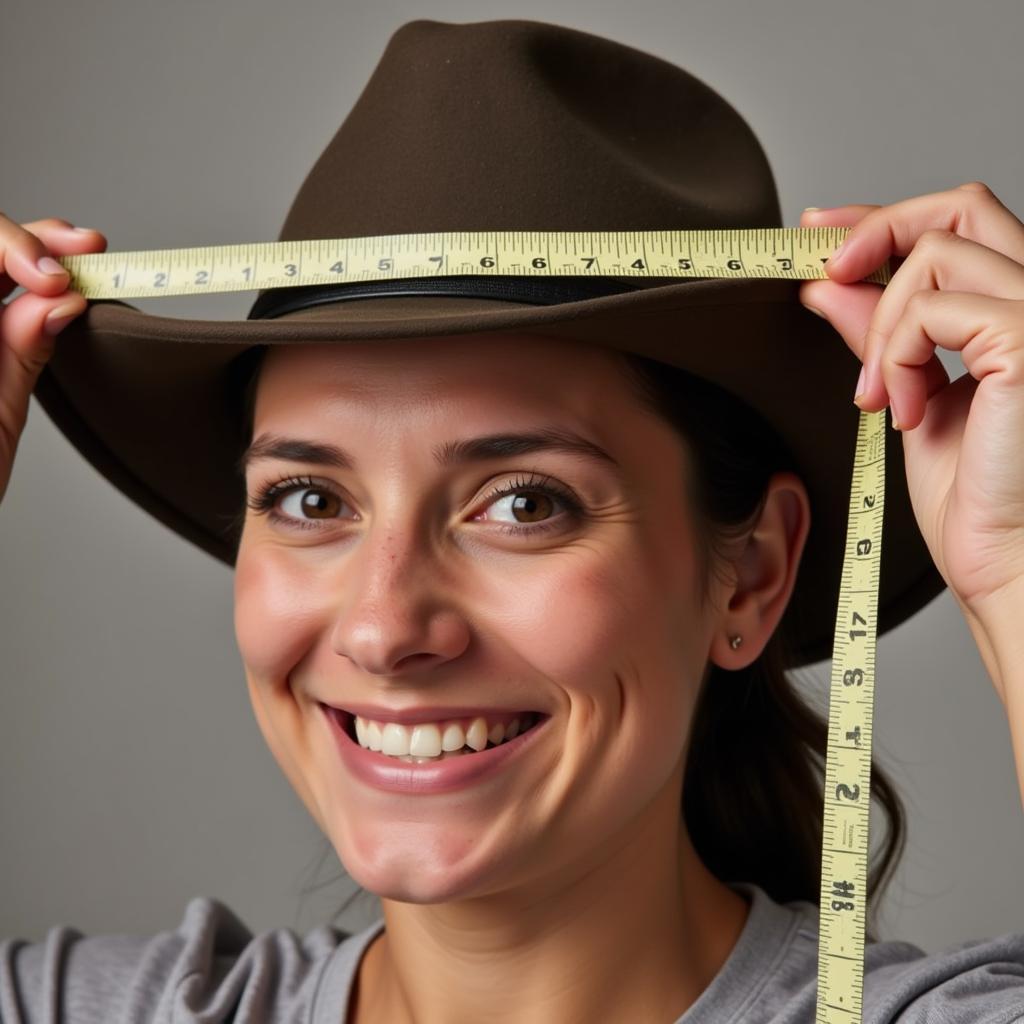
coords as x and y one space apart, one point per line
576 667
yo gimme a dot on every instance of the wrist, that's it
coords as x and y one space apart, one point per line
995 623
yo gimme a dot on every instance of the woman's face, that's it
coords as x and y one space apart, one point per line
393 582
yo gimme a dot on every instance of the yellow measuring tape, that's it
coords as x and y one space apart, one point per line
794 253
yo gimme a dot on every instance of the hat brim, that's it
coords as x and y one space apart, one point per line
147 400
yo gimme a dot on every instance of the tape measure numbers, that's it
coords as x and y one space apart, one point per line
794 253
844 850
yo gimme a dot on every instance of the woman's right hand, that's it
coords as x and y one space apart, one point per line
30 323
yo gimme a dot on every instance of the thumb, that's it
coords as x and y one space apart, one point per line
848 307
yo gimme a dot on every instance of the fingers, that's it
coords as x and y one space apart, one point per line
961 240
27 259
970 210
29 324
850 308
26 344
940 261
27 253
988 332
837 216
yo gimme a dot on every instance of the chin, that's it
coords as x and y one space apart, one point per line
412 890
412 885
412 869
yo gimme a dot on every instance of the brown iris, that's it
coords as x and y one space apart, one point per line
314 501
530 505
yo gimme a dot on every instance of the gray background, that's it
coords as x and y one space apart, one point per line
132 773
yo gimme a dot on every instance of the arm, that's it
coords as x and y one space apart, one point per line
998 629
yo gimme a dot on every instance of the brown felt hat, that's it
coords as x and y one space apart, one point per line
490 126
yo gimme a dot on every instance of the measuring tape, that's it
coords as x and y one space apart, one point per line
793 253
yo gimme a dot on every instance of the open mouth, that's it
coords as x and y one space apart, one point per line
460 738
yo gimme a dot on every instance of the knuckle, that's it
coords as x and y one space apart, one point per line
9 229
872 340
981 196
978 187
936 236
19 233
919 300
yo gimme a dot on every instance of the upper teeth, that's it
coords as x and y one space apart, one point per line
429 739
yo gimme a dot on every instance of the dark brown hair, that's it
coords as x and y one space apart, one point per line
753 783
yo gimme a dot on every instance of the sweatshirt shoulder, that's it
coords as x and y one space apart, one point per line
210 967
980 981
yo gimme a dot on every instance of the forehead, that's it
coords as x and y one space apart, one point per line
443 377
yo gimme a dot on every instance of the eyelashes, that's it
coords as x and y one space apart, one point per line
266 499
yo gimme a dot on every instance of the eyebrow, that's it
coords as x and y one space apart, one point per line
450 453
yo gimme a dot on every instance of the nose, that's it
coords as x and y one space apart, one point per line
395 615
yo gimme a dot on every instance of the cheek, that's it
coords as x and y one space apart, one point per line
275 615
274 631
625 647
615 636
629 614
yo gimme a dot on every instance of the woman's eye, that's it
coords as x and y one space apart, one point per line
310 503
530 507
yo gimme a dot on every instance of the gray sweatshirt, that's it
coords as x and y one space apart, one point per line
212 968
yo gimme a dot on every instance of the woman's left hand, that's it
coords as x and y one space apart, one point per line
960 287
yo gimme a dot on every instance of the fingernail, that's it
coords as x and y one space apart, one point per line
811 209
859 390
58 318
48 265
84 231
816 312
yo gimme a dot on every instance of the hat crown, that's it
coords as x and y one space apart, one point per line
524 125
492 126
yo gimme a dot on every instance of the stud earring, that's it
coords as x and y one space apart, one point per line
735 641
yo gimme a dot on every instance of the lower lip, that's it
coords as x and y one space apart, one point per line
453 773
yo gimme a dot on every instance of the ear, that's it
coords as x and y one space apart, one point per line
764 573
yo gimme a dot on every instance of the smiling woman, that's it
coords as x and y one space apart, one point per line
389 584
752 788
521 564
